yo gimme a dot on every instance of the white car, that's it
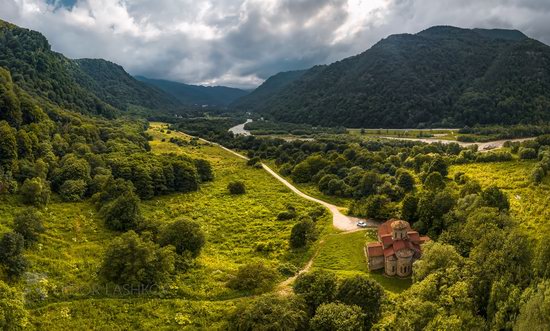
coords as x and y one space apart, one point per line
362 224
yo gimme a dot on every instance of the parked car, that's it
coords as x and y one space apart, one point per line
362 224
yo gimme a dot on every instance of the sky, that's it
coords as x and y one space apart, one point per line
241 43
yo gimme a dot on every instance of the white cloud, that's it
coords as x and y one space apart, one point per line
242 42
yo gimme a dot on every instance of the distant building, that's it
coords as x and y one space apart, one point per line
397 248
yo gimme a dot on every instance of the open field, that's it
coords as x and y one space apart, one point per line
343 254
529 203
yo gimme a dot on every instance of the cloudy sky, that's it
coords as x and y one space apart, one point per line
242 42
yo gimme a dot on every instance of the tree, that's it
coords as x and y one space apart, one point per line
269 313
131 260
30 225
494 197
438 165
186 178
316 287
406 181
73 190
236 187
527 153
11 254
186 236
123 213
535 313
204 169
376 206
436 257
302 233
253 277
434 182
409 206
338 317
8 145
301 173
365 293
35 191
13 315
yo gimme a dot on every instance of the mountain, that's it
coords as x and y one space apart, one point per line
195 94
268 89
87 86
442 76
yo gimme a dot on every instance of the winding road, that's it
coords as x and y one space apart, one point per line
340 221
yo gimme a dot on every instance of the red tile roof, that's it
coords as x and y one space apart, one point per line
374 249
413 236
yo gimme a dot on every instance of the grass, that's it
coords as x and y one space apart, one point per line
344 254
528 203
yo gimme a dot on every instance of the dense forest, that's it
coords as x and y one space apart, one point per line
214 96
440 77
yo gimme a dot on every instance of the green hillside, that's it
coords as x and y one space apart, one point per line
443 76
194 94
87 86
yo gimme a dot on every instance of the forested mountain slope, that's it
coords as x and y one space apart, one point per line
268 89
196 94
443 76
88 86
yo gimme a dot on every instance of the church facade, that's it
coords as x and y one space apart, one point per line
397 248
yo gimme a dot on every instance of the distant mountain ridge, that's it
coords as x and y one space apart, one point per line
442 76
196 94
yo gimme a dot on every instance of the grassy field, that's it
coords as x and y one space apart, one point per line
343 254
528 203
63 280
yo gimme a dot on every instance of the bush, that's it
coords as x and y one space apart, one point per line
494 197
527 153
236 187
288 269
286 215
302 233
253 277
29 224
35 191
11 250
131 260
316 288
337 317
73 190
204 169
186 236
269 312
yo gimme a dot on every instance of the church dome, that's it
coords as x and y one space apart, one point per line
400 225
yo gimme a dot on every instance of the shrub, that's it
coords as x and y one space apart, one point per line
269 312
302 233
434 182
204 169
131 260
494 197
253 277
236 187
317 212
29 224
184 235
286 215
35 191
527 153
11 250
337 316
72 190
316 288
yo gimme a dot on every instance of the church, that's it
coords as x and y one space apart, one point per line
397 248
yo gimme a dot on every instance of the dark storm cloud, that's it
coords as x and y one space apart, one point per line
242 42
